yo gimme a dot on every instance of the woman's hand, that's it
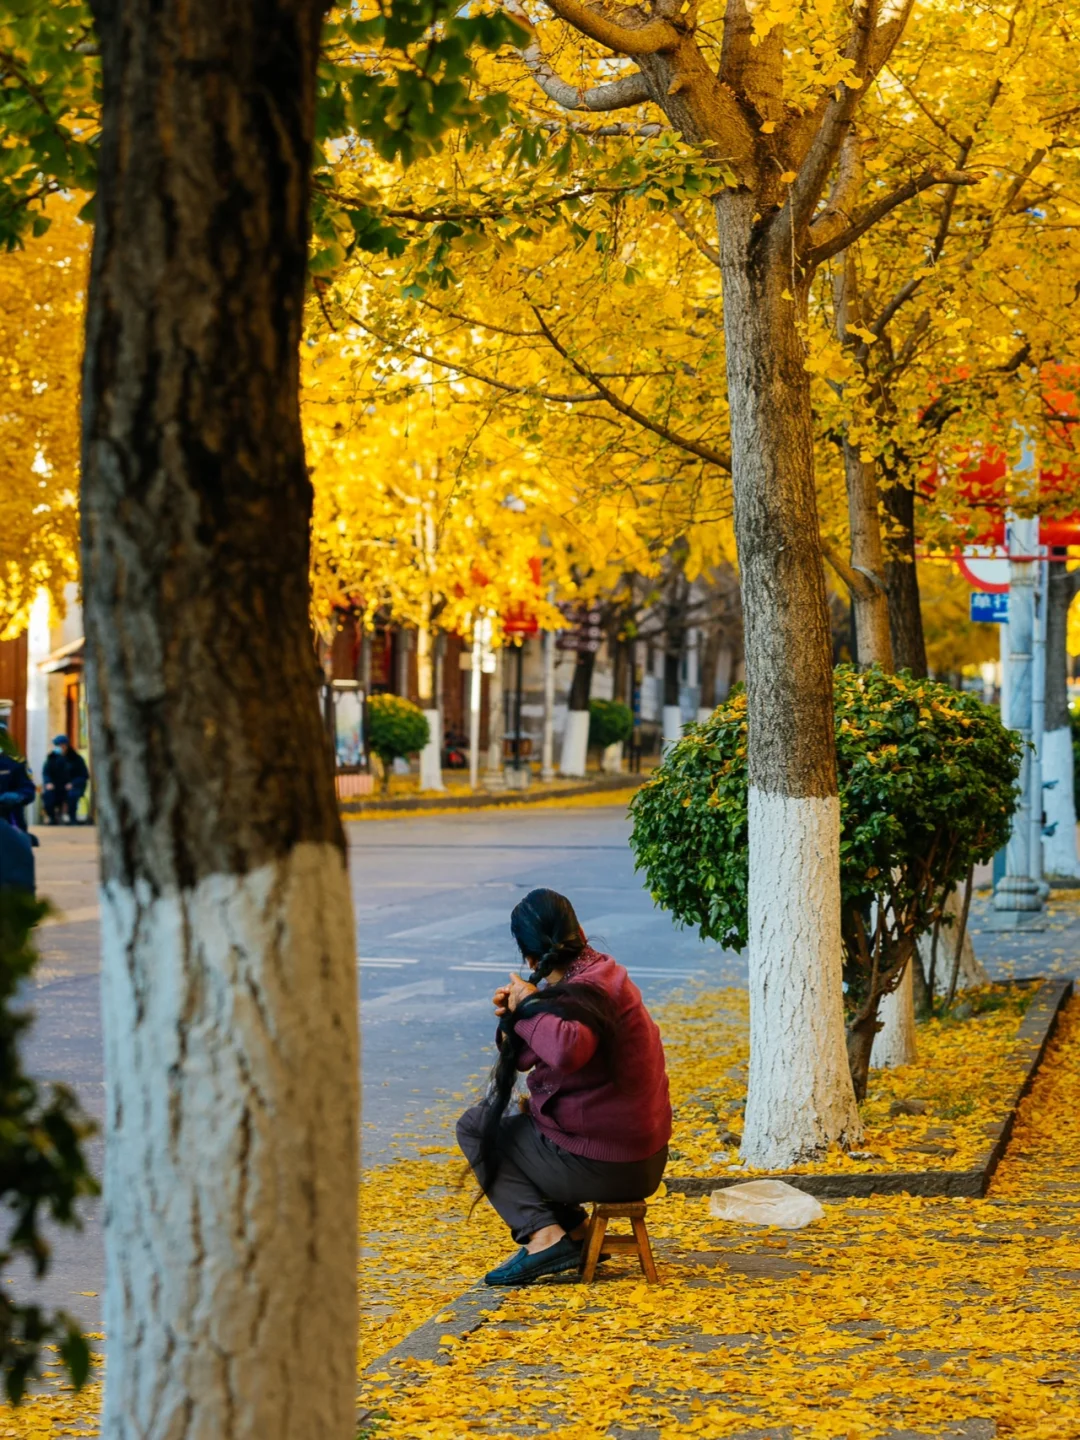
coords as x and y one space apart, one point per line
517 991
499 999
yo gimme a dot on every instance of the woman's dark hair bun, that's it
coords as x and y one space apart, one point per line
547 929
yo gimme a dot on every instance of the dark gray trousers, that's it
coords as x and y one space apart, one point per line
538 1183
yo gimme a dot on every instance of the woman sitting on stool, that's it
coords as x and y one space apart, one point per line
598 1118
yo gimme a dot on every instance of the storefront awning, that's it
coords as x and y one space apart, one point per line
65 660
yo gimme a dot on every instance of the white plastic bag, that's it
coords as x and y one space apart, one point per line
766 1202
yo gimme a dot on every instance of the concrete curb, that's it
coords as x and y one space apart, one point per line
412 804
1032 1038
467 1312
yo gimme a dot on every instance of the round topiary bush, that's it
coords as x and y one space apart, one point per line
609 722
396 728
927 787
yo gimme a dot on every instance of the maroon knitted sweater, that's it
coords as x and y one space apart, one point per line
573 1100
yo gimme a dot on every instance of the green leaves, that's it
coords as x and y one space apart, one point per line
927 788
42 1166
49 95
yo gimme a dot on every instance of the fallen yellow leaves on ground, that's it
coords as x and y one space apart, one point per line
894 1312
966 1074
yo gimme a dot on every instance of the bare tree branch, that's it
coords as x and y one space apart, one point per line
869 46
696 238
682 442
618 94
860 584
651 37
871 214
533 391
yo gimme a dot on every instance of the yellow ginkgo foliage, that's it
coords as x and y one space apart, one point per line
41 308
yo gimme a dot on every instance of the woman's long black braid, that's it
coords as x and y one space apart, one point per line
546 930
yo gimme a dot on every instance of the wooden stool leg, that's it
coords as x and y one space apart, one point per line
645 1255
591 1249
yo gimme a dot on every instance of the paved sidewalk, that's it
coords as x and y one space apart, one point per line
889 1319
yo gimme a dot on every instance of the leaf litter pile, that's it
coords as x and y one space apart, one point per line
893 1313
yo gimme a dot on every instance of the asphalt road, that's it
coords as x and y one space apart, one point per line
433 897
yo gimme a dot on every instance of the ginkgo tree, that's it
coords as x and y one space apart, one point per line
43 289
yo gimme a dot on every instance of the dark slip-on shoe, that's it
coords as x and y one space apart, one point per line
523 1268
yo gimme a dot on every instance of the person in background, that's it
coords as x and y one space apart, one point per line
16 788
65 779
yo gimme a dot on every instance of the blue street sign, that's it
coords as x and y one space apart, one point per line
990 608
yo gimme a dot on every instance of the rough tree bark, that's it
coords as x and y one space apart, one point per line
1059 850
774 232
575 746
228 957
902 581
800 1096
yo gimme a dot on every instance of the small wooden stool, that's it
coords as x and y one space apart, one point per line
597 1238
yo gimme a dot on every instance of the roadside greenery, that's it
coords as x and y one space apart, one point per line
927 789
396 728
43 1171
609 722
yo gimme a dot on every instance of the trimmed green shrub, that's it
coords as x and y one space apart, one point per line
396 728
927 780
42 1167
609 722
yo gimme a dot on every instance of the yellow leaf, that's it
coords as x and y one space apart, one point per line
787 177
768 127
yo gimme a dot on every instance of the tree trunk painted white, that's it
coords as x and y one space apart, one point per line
672 724
228 963
894 1044
575 745
494 778
1059 849
547 742
38 646
703 714
230 1179
612 760
971 972
431 754
799 1098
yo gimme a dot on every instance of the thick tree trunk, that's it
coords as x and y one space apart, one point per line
902 582
800 1097
575 746
709 655
228 957
870 602
495 778
431 754
1057 761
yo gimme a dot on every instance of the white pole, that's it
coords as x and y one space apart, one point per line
474 706
547 768
1017 892
1038 716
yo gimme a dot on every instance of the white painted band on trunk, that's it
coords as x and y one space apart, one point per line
575 744
1059 802
612 760
894 1044
672 724
231 1160
431 754
800 1097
